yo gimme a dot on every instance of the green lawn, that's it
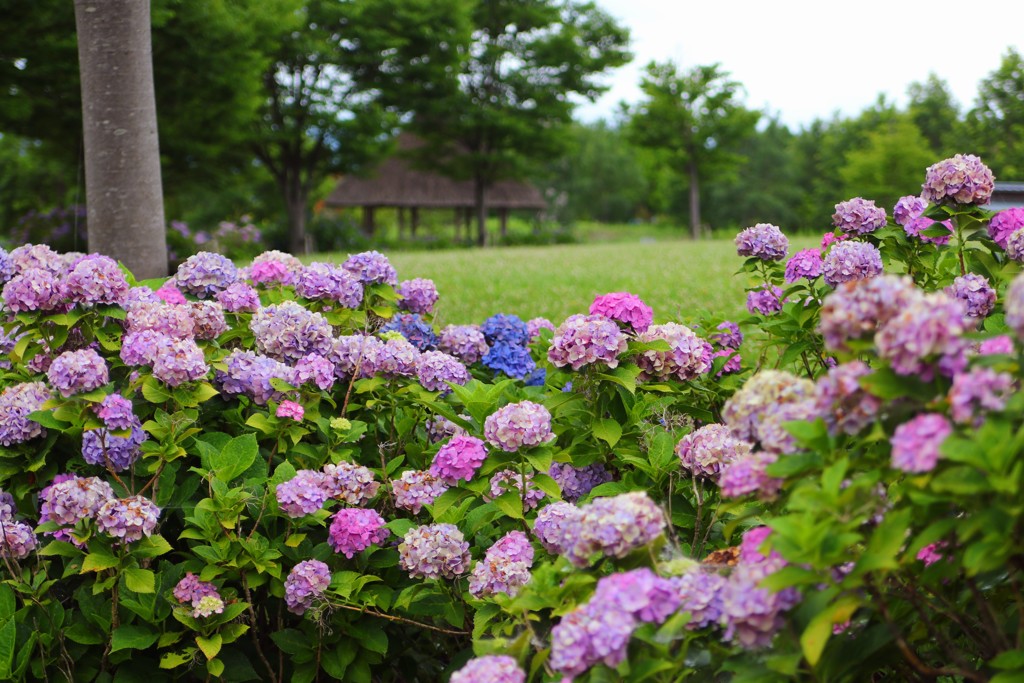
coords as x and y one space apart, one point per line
677 278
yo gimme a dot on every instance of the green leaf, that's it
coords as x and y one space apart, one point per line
155 392
210 646
819 630
511 503
236 457
132 637
151 546
261 422
215 667
173 660
608 430
140 580
8 604
8 640
98 560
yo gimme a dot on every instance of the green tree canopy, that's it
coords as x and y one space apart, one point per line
935 112
996 124
889 165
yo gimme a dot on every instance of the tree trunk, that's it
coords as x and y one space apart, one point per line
694 202
401 223
122 151
481 210
504 223
368 223
295 205
414 221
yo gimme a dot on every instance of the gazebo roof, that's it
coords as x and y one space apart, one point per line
396 183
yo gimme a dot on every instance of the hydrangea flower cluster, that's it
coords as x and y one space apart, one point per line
353 530
927 330
729 336
204 274
371 267
128 519
239 298
505 567
1015 246
398 357
586 340
96 280
274 267
303 494
509 359
908 208
915 443
72 499
554 525
614 527
176 361
772 433
962 179
847 261
858 216
434 551
503 328
417 295
17 539
39 256
465 342
707 450
978 391
355 354
909 213
763 241
857 309
16 403
624 308
577 482
507 480
518 425
459 459
416 488
171 320
805 264
350 482
535 325
323 281
689 355
201 596
748 407
490 669
440 428
845 406
1014 306
748 474
207 319
1005 223
287 331
106 449
34 289
314 369
435 370
249 373
169 294
752 615
996 346
76 372
418 332
765 301
306 583
976 293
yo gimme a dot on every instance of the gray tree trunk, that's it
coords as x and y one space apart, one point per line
122 153
694 202
295 206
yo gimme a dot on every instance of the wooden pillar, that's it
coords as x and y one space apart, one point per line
401 223
458 222
415 220
368 225
503 217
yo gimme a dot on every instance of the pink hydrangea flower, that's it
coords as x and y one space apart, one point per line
625 308
291 409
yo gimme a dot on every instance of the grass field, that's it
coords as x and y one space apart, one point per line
677 278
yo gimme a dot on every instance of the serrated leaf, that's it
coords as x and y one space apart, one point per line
98 560
235 457
608 430
511 503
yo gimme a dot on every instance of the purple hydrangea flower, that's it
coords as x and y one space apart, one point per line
73 499
116 412
465 342
250 374
440 428
371 267
459 459
975 292
847 261
805 263
353 530
846 407
518 425
535 325
204 274
416 488
1015 245
614 527
6 266
41 256
434 551
76 372
1001 345
730 336
139 295
417 296
505 567
291 410
239 298
435 370
748 474
201 596
16 403
172 320
763 241
506 329
765 301
507 480
490 669
707 450
732 365
314 369
1014 305
556 525
700 594
323 281
857 309
17 540
909 213
106 449
207 319
398 358
587 339
511 360
640 593
625 308
858 216
748 407
689 355
917 226
577 482
908 208
753 615
169 294
128 519
303 494
287 332
96 280
927 330
180 361
962 179
350 482
306 582
772 433
416 330
915 444
274 267
33 290
356 355
978 391
1005 223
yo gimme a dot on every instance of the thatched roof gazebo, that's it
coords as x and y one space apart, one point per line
396 184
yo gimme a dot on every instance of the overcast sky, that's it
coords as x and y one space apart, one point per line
807 59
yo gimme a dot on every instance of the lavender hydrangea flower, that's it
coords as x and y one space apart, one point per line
518 425
745 410
416 330
978 391
398 358
506 329
417 295
858 216
96 280
171 320
103 448
416 488
640 593
306 583
41 256
350 482
353 530
535 325
624 308
116 412
207 319
700 594
975 292
7 269
763 241
459 459
201 596
915 444
316 370
729 337
748 474
707 450
772 433
511 360
505 567
128 519
507 480
732 365
753 615
555 525
490 669
435 370
73 499
1014 306
614 527
908 208
587 339
845 406
76 372
356 355
371 267
204 274
1005 223
857 309
577 482
847 261
249 373
962 179
287 332
440 428
805 263
303 494
16 403
689 355
765 301
926 331
33 290
17 540
239 298
909 213
434 551
180 361
1015 245
323 281
465 342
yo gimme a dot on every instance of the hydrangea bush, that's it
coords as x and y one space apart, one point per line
284 472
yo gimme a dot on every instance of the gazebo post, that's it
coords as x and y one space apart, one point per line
401 222
368 226
415 222
503 217
458 222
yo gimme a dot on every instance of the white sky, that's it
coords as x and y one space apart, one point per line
806 59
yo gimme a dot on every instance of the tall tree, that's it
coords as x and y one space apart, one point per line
996 124
697 119
122 152
935 112
889 165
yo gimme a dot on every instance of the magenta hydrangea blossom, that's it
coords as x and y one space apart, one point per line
371 267
908 208
763 241
323 281
507 480
303 494
1005 223
353 530
857 309
577 482
96 279
128 519
979 391
169 294
858 216
34 289
465 342
614 527
459 459
962 179
805 264
845 406
765 301
847 261
116 412
586 340
926 331
204 274
239 298
287 332
306 583
518 425
704 452
76 372
689 355
555 525
490 669
290 409
350 482
976 293
748 474
915 444
207 319
915 227
434 551
17 401
417 295
1000 345
732 365
436 369
416 488
748 407
625 308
